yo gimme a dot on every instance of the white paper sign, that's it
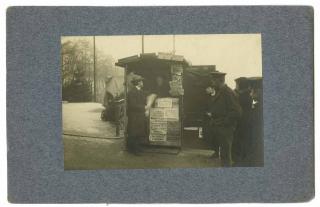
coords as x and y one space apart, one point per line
158 127
158 137
171 113
164 103
157 113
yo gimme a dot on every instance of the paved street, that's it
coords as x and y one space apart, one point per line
83 119
90 143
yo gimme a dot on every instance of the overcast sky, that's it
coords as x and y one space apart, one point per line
235 54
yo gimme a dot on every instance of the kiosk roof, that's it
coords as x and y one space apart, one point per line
146 57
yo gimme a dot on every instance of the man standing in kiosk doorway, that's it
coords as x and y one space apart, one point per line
223 111
136 115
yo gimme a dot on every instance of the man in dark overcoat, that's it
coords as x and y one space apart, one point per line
242 133
207 128
256 157
136 127
224 111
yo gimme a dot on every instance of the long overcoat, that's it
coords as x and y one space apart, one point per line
225 108
136 113
256 144
225 111
241 142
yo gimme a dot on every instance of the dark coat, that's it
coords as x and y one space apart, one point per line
107 99
225 112
244 99
224 108
136 113
242 135
256 144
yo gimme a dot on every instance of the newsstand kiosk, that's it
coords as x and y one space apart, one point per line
168 115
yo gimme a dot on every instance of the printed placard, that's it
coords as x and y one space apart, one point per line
157 113
158 127
164 103
158 137
171 113
159 103
177 78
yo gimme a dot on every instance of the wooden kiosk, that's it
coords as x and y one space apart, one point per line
168 114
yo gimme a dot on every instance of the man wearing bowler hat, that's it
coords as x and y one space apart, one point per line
136 127
224 111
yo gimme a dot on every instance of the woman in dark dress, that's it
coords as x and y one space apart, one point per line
136 127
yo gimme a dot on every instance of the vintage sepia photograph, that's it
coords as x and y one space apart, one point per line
162 101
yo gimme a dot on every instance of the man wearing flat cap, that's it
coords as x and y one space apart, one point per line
256 157
136 127
224 111
241 140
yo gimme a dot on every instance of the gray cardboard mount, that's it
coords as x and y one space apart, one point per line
35 148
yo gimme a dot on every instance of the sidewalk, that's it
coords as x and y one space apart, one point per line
89 154
83 119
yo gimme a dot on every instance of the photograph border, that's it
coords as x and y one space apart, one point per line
35 149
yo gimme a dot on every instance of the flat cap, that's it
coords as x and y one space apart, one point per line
241 79
217 74
242 82
255 82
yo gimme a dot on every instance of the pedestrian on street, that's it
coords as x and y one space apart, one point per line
224 111
136 116
108 112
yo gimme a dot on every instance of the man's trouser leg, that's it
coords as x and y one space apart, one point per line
215 144
225 135
212 139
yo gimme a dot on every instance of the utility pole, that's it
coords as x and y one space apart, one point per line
174 44
142 41
94 69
